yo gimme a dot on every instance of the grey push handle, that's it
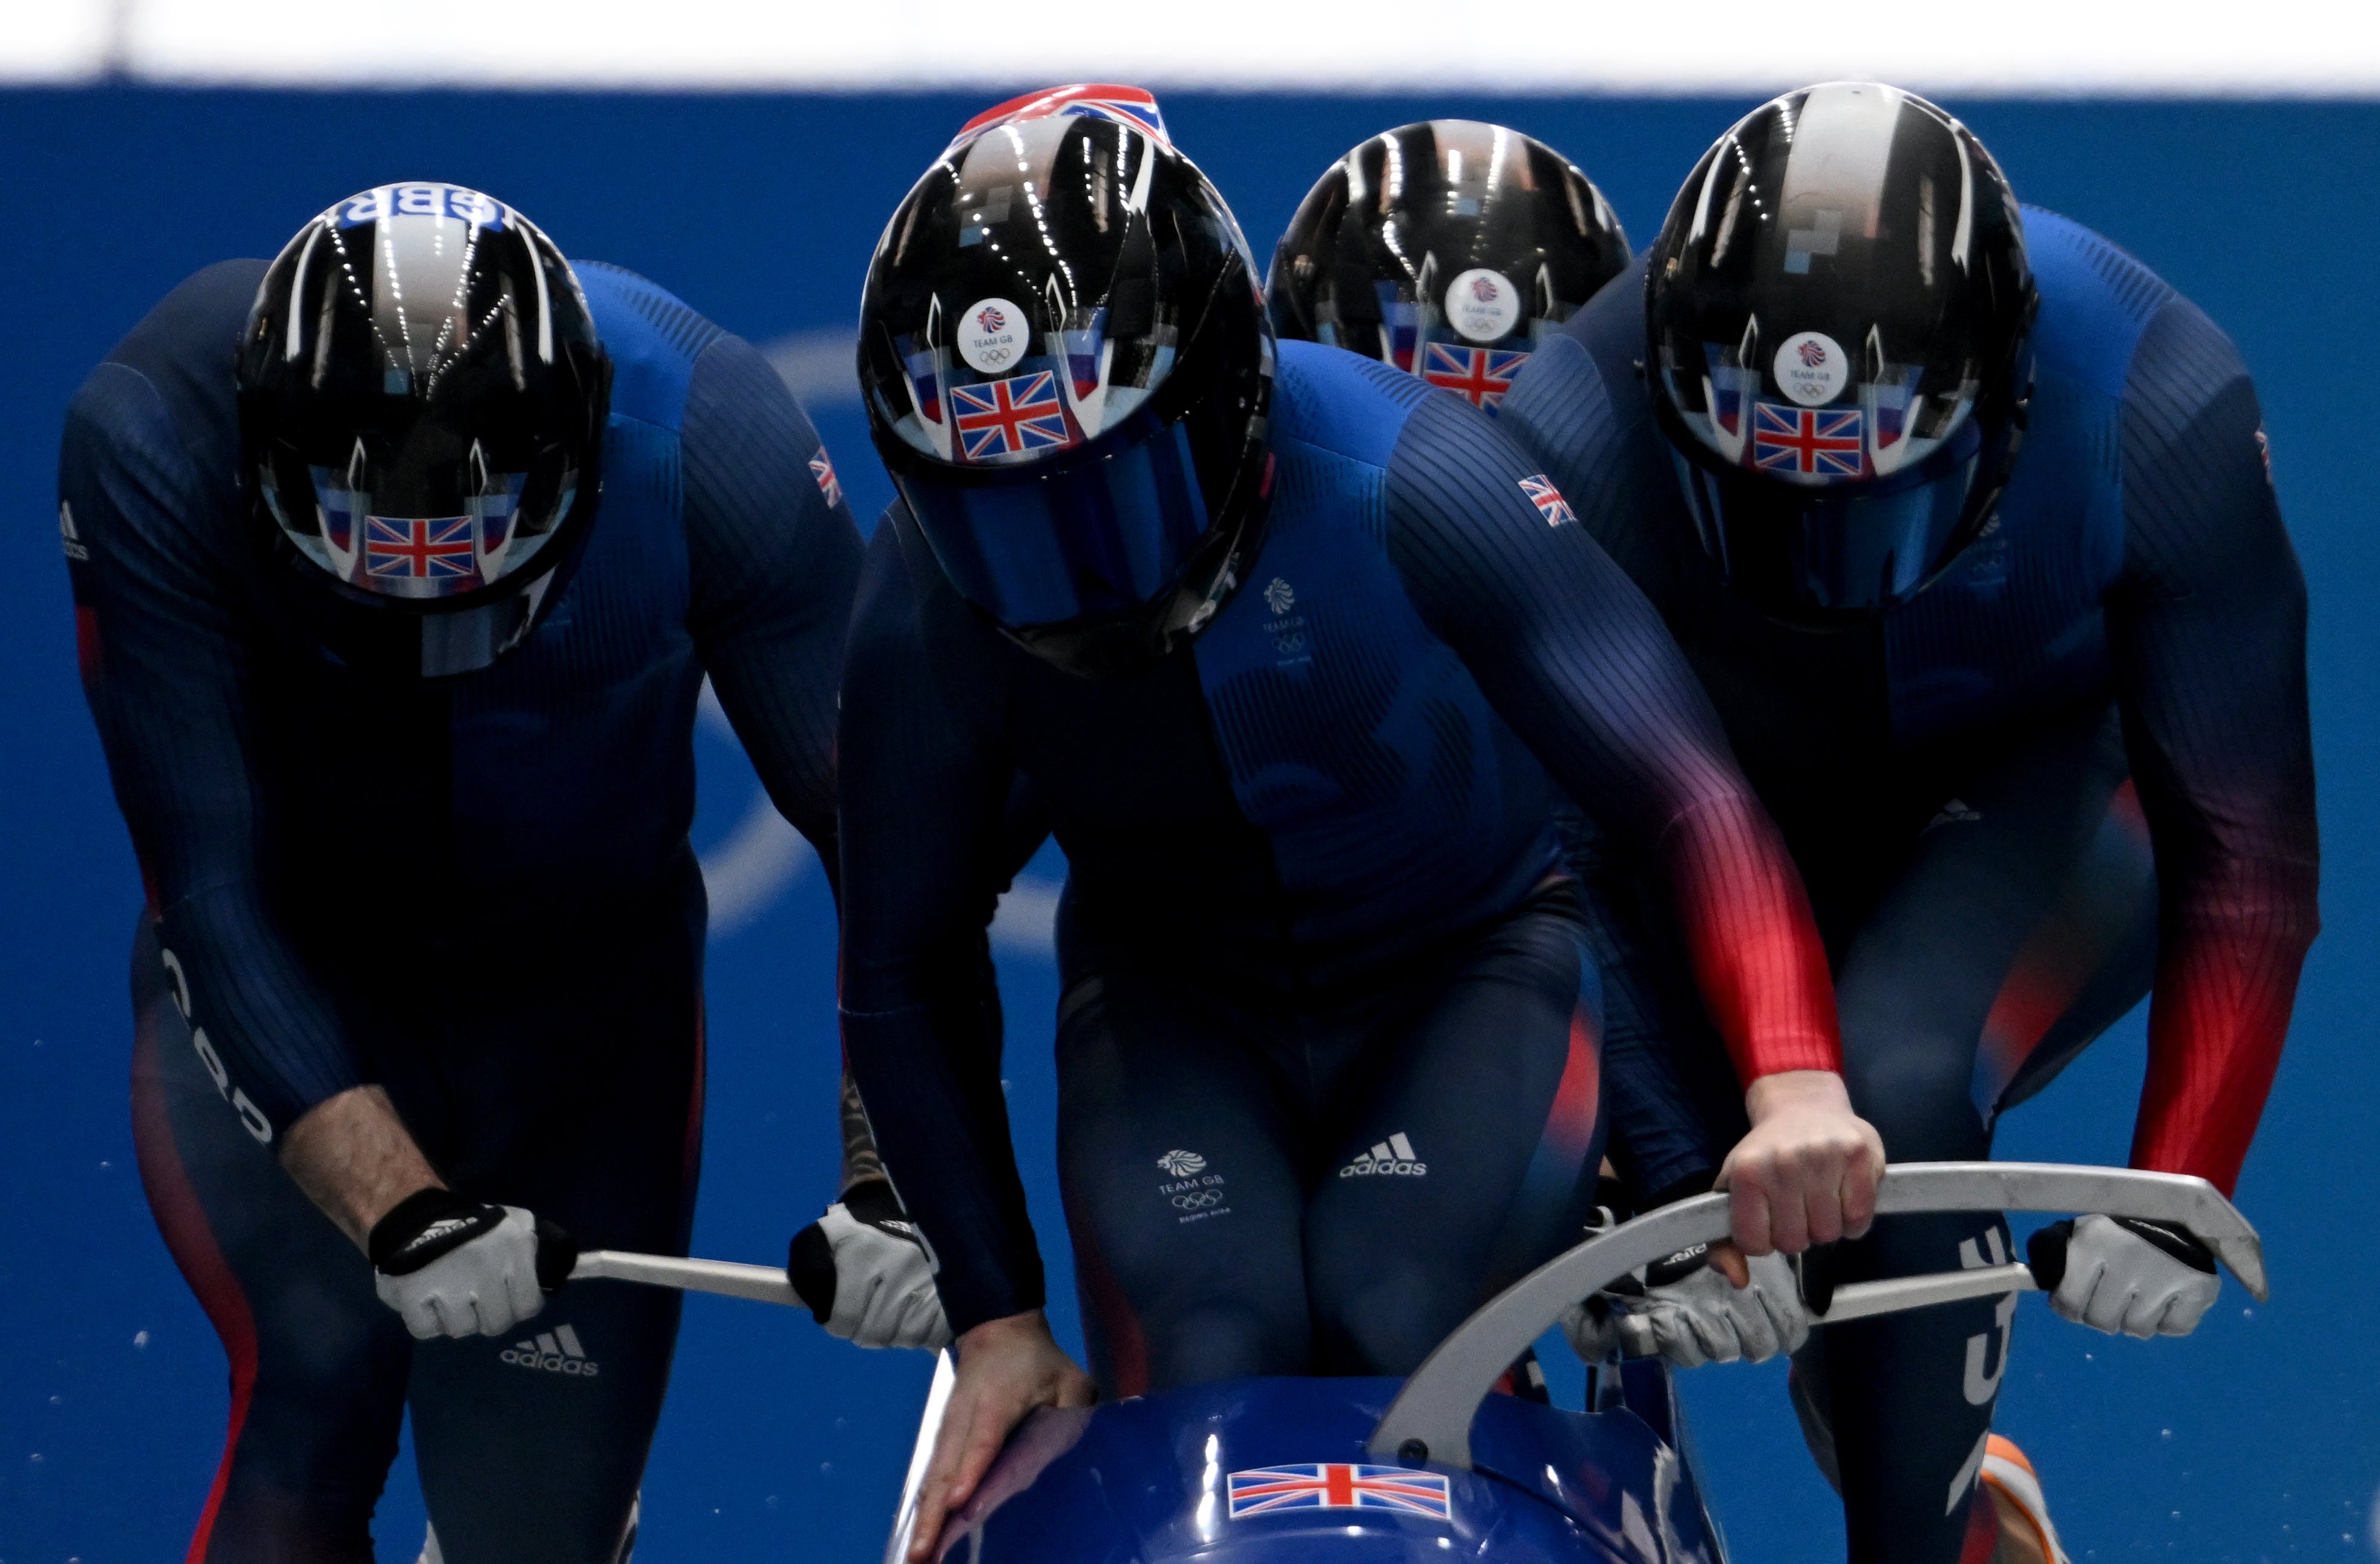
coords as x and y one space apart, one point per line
1430 1420
764 1284
1865 1300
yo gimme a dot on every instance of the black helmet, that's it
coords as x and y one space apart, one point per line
1067 369
1134 106
422 399
1838 312
1446 248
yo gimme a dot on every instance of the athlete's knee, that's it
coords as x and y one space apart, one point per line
321 1525
1227 1339
1386 1320
305 1471
1916 1088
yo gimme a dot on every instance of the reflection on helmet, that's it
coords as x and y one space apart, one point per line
1448 248
1838 312
423 398
1067 369
1134 106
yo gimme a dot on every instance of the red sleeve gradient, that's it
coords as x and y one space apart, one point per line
1757 952
2207 635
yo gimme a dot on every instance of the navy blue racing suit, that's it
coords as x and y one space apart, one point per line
477 896
1328 1068
2075 770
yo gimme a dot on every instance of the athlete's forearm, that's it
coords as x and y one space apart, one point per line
355 1159
931 1076
2217 1018
1757 952
861 1160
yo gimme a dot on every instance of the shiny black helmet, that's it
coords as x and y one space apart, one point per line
1066 369
1446 248
422 399
1838 314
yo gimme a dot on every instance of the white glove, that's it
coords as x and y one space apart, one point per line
864 1270
1690 1314
454 1267
2122 1275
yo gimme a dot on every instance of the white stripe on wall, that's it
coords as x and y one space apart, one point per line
2014 46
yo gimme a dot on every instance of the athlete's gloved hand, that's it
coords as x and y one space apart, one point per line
1688 1311
864 1271
453 1265
2120 1275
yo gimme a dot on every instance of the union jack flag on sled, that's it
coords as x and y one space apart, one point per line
1338 1485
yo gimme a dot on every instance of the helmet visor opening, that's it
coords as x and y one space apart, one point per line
1083 540
1857 549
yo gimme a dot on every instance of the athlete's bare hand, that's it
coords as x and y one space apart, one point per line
1006 1367
1807 1173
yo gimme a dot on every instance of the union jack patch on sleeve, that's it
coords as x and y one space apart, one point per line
823 469
1547 499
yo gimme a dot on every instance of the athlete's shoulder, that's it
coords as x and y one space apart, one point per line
653 338
1610 328
1341 401
1585 383
163 410
2110 323
198 323
183 352
2097 300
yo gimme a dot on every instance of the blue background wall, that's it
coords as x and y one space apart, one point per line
2256 1440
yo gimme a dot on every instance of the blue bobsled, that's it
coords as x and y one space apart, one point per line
1267 1471
1436 1468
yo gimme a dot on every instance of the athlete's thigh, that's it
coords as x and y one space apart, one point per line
570 1081
1469 1149
2007 942
532 1444
1177 1160
1982 946
318 1362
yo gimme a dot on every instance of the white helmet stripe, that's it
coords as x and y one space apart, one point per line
1960 245
1710 177
531 234
294 345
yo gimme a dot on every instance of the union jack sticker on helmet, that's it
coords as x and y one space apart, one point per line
1134 106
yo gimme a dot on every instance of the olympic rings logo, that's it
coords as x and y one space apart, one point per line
1201 1201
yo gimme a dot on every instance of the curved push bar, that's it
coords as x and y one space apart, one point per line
762 1284
1431 1418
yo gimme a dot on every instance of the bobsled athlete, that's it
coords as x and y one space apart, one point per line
398 564
1451 249
1965 520
1290 648
1448 248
